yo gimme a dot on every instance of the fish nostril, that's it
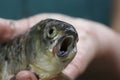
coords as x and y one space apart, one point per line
64 46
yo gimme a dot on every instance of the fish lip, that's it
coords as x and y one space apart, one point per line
64 46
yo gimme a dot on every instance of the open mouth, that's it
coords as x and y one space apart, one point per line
64 47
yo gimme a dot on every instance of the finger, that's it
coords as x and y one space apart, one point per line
21 26
6 32
10 28
25 75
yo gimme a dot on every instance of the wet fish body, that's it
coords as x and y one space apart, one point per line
46 49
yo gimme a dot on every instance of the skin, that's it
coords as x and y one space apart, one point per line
98 55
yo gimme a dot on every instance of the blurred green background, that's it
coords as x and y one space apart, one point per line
96 10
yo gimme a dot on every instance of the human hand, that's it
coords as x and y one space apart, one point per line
96 46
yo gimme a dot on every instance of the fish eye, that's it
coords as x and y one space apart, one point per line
52 32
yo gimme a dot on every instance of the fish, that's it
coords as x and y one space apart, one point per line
45 49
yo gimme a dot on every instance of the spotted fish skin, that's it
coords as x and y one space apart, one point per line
13 57
46 49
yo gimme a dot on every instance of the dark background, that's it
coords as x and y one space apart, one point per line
97 10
